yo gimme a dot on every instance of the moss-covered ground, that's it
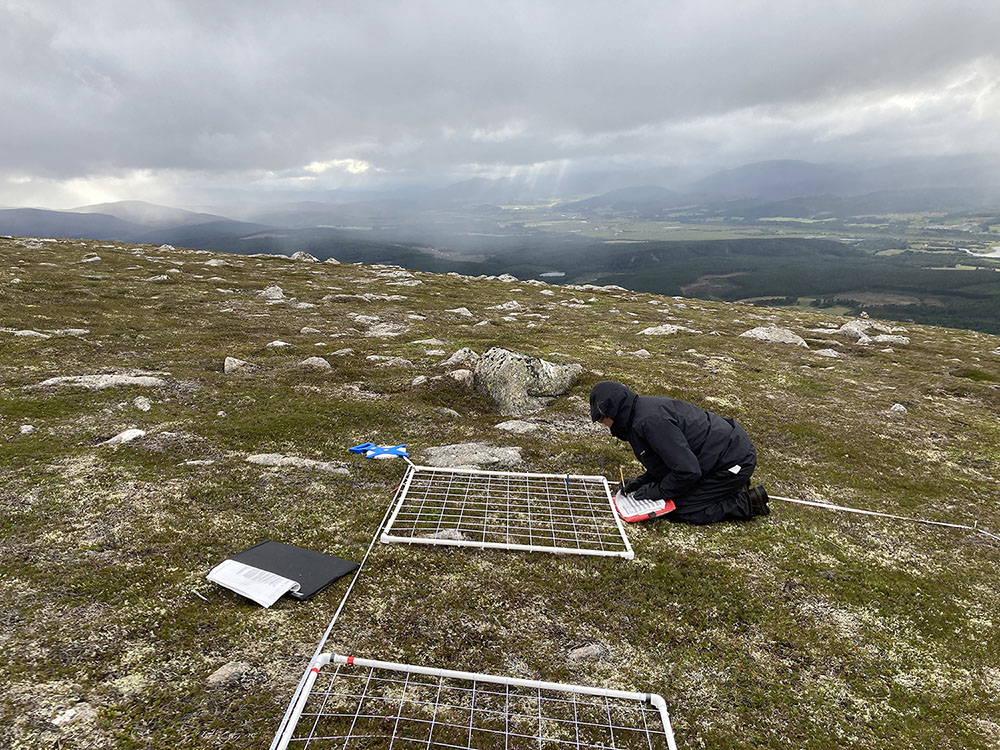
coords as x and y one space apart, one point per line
806 628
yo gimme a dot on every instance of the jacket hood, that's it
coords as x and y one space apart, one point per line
614 400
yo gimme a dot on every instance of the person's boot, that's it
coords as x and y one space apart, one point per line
758 501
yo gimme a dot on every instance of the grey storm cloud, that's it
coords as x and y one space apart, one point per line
221 88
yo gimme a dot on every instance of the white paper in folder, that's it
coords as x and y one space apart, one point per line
261 586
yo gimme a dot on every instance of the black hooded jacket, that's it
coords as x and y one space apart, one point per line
677 442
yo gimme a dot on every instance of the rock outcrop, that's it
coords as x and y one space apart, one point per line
464 356
125 437
775 335
317 363
473 456
100 382
521 384
234 366
517 426
228 674
272 293
667 329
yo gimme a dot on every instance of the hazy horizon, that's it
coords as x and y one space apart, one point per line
185 103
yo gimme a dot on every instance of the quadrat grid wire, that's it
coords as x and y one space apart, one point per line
370 704
493 509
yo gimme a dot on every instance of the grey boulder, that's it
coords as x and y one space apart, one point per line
521 384
233 365
775 335
473 456
100 382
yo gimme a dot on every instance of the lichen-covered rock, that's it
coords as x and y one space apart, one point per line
304 256
453 535
125 437
233 366
592 652
82 712
100 382
317 363
272 293
384 360
28 334
517 426
521 384
859 328
888 338
473 456
386 330
464 356
667 329
775 335
831 353
228 674
507 306
463 376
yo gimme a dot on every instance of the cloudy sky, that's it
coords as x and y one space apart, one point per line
174 100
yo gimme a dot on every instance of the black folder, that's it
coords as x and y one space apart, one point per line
313 571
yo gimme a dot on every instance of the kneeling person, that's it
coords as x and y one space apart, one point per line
697 459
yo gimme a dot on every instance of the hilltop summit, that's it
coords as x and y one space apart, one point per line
807 628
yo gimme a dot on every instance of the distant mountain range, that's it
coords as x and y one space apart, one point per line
149 224
149 214
474 207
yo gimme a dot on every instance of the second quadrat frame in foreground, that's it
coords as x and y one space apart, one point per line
561 513
364 703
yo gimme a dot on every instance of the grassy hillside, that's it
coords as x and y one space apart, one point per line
802 629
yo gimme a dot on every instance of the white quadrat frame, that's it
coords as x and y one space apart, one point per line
363 703
561 513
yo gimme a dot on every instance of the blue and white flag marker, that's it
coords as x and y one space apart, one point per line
370 450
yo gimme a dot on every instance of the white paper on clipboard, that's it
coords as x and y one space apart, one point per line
257 584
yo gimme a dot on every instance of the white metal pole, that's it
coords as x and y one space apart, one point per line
282 726
661 704
621 528
404 487
510 473
496 679
300 704
626 554
844 508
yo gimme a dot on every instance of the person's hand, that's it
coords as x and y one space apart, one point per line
631 485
